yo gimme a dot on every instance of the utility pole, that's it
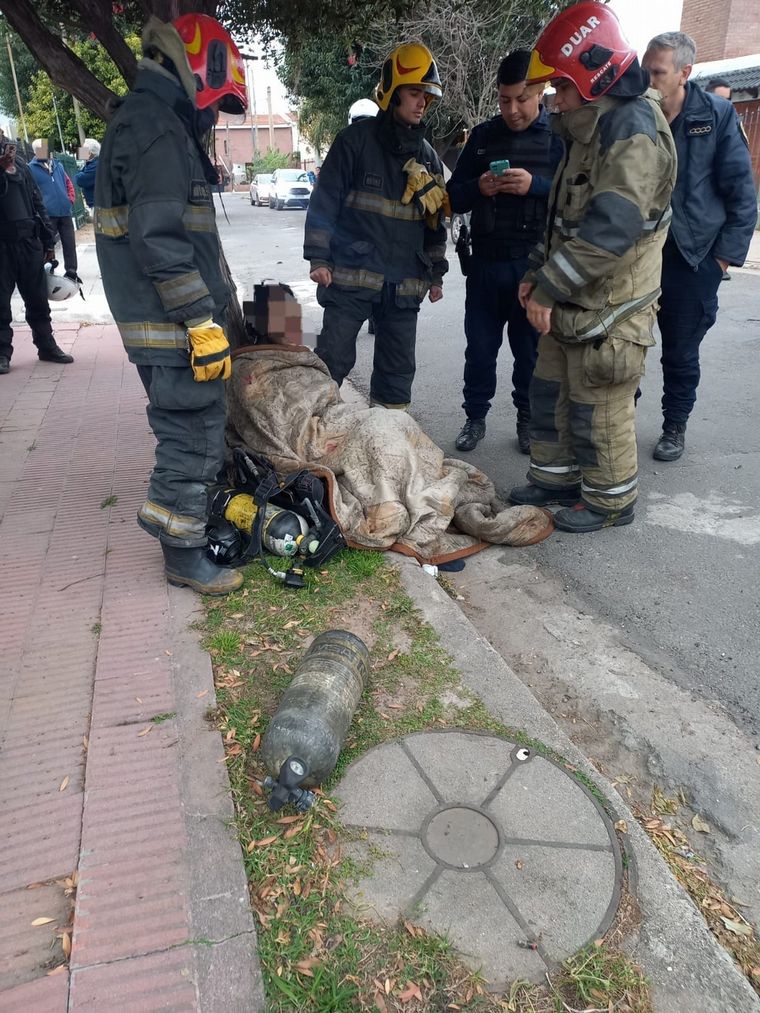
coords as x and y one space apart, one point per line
271 117
57 117
78 118
15 85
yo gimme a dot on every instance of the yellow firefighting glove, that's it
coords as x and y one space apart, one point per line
209 352
425 190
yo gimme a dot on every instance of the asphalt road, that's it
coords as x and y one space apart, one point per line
681 582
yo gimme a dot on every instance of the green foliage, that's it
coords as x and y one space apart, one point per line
317 73
26 67
268 163
40 110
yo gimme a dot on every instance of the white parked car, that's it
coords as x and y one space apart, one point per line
260 187
291 188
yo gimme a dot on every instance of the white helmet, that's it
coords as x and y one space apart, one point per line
58 287
362 109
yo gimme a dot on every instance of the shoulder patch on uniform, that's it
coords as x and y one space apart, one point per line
200 192
631 117
373 181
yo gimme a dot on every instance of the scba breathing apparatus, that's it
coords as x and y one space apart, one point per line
284 516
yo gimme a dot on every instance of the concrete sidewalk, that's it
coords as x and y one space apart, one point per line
115 801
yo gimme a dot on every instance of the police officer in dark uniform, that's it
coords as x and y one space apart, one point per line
508 217
26 243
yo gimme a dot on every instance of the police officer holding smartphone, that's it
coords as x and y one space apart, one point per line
503 177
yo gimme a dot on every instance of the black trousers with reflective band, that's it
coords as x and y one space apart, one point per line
394 361
187 419
21 261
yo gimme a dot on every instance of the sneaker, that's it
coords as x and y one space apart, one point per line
581 518
672 443
534 495
5 365
54 354
471 434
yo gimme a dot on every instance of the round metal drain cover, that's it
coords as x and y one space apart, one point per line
461 837
485 842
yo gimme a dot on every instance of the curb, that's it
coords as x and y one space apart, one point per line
686 966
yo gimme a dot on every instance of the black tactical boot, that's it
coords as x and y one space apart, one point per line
471 434
523 431
192 568
581 518
534 495
672 442
53 353
5 364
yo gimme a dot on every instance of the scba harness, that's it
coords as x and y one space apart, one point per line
261 510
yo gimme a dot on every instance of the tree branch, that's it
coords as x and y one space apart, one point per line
63 67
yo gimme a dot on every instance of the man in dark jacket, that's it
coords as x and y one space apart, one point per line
375 234
85 178
26 243
508 219
159 254
58 194
714 215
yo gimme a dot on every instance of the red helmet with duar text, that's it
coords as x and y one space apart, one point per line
215 61
584 44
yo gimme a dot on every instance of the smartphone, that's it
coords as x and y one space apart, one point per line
497 168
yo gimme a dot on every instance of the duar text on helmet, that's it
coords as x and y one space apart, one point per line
577 37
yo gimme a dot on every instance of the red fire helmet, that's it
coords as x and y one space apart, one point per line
215 61
585 44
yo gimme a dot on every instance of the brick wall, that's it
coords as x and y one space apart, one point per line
722 29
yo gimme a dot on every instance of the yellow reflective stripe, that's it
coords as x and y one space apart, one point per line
378 205
146 334
179 525
112 221
199 219
357 278
412 287
182 290
317 237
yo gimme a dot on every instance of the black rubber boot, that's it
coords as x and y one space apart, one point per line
534 495
672 443
192 568
54 354
580 518
523 432
471 434
5 365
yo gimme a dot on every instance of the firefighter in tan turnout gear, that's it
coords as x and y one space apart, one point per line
375 235
159 255
592 288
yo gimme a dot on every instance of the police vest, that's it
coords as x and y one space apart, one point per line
507 227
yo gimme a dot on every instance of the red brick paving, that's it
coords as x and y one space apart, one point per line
85 665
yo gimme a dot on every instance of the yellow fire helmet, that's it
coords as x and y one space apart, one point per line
411 63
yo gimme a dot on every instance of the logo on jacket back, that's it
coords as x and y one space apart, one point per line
373 181
577 37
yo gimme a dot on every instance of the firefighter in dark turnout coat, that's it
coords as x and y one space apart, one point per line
159 256
508 219
375 235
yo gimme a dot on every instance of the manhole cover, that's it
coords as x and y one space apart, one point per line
486 843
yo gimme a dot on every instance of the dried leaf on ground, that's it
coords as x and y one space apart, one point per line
66 944
203 692
145 731
64 783
621 826
412 991
699 824
738 928
42 921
